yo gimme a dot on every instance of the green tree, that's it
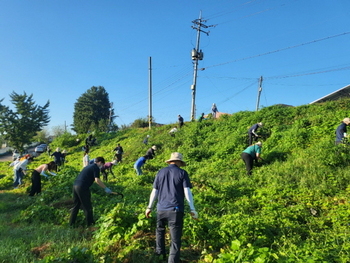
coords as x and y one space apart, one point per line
19 126
93 111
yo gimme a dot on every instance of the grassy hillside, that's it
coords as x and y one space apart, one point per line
294 208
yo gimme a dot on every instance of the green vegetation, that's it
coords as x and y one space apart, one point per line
18 127
294 208
93 112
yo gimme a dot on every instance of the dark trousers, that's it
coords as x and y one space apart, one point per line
36 184
252 138
174 220
249 162
81 198
118 157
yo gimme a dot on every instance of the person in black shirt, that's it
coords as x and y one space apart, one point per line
81 190
181 120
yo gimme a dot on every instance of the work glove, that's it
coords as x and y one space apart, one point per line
108 191
194 214
148 211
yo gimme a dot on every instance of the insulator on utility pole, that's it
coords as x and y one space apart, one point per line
196 54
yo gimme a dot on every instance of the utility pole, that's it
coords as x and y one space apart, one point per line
196 55
259 93
150 94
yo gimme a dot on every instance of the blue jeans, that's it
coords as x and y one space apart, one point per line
138 170
174 220
18 178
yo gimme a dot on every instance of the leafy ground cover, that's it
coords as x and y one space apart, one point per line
294 208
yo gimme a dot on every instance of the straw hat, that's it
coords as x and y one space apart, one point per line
259 144
58 149
176 157
154 147
346 120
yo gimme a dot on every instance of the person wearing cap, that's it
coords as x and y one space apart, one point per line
139 163
145 141
171 186
81 190
173 131
252 132
181 120
341 131
107 167
57 157
151 152
118 153
214 110
250 154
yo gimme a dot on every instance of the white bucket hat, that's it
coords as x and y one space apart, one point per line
176 157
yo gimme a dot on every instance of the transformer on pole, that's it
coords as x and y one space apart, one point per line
196 55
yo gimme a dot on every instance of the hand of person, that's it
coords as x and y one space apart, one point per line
194 214
148 212
108 191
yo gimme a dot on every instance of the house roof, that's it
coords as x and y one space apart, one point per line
340 93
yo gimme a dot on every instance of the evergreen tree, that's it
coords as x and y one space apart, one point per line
92 111
20 126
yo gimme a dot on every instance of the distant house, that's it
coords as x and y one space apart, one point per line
338 94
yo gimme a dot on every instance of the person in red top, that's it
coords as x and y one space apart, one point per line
107 167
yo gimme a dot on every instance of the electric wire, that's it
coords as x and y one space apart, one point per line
281 49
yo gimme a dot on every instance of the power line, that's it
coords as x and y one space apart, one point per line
279 50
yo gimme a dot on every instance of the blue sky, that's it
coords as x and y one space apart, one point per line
57 50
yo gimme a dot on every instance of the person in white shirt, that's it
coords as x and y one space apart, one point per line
20 170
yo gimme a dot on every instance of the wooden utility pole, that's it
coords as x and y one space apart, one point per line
259 93
150 95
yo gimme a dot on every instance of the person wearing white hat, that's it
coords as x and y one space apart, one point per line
250 154
145 141
252 132
341 131
171 186
151 152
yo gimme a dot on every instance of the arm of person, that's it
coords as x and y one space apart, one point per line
258 156
152 197
101 184
189 198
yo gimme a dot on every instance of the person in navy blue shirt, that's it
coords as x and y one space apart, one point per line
341 131
253 136
81 190
171 186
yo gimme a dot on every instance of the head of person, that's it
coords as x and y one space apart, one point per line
118 144
346 121
259 144
260 124
100 161
114 162
86 152
30 159
58 149
64 151
176 158
147 136
51 166
154 147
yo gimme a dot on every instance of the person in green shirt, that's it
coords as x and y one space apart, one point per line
250 154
